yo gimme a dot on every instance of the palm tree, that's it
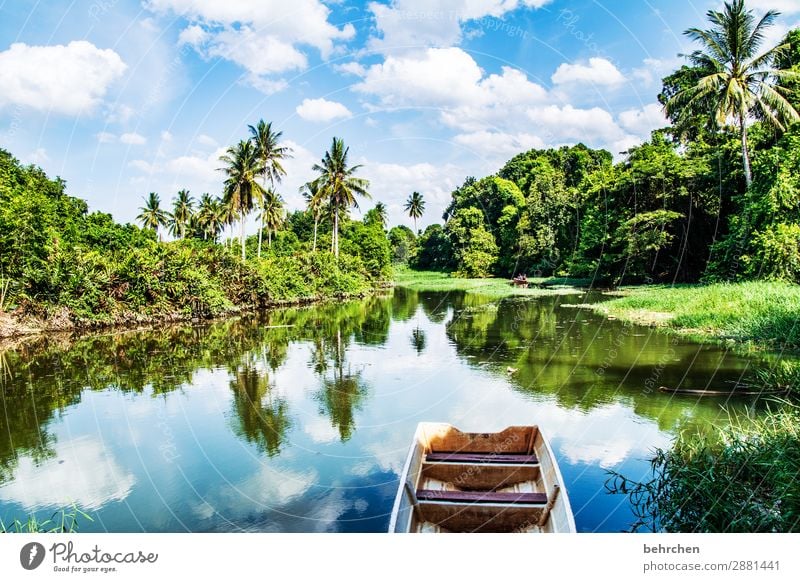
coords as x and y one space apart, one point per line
210 216
241 186
270 154
151 215
272 214
415 206
182 212
338 185
382 214
315 205
737 81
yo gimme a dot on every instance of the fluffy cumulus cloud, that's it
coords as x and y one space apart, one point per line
783 6
322 110
407 24
597 71
67 79
493 114
265 38
133 139
642 121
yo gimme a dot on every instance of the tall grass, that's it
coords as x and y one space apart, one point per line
758 312
436 281
62 521
743 478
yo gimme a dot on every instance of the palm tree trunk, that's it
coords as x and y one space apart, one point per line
260 233
416 231
748 175
241 237
269 238
336 232
316 221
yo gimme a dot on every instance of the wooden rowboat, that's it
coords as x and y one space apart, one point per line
454 481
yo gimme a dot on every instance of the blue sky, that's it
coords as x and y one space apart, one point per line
124 97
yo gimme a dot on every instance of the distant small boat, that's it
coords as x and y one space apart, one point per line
454 481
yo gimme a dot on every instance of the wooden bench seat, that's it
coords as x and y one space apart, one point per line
482 497
481 458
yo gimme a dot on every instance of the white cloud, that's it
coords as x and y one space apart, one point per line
322 110
39 157
597 71
351 68
264 38
133 139
642 122
206 140
83 472
166 136
492 113
106 137
407 24
69 80
498 145
391 184
783 6
119 113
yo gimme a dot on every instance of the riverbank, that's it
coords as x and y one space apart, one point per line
17 325
759 314
437 281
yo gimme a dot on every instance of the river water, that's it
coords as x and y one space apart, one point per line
300 419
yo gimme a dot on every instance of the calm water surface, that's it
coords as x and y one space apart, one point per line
300 420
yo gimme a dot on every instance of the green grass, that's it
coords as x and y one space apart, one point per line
742 479
435 281
62 521
761 313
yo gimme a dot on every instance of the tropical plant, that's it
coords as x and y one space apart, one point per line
338 185
270 154
415 206
241 186
273 214
182 212
382 214
737 82
209 218
151 215
315 205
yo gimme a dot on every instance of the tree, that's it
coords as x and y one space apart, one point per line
272 214
210 216
382 214
475 249
315 205
241 186
270 154
151 215
338 185
182 211
738 82
415 206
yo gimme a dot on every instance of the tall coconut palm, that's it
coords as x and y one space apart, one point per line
415 206
382 214
273 214
338 185
738 81
182 212
270 154
241 186
316 205
151 215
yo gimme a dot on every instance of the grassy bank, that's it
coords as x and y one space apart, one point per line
760 313
436 281
690 490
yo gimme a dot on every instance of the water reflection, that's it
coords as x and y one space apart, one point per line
299 419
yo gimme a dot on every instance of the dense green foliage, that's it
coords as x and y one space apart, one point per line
738 479
55 254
